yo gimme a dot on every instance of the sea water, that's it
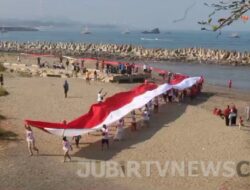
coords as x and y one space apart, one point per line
214 74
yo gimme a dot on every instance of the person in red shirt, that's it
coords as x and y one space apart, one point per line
226 115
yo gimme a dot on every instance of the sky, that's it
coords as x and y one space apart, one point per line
134 14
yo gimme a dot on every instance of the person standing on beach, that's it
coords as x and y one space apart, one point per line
77 140
105 136
97 65
156 105
119 130
67 64
170 95
248 112
101 96
61 59
95 75
102 66
235 116
230 83
66 88
146 118
82 65
30 140
145 68
66 148
87 77
241 123
165 96
133 122
150 106
18 59
1 79
226 115
39 61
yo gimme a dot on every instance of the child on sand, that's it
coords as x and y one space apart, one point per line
66 148
241 123
30 140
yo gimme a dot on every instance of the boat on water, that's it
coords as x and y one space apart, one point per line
45 28
85 31
126 32
234 35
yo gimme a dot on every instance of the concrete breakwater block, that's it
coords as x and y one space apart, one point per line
5 64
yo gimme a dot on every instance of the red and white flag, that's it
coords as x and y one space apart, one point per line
114 108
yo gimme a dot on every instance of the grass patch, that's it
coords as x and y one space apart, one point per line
3 92
2 68
7 135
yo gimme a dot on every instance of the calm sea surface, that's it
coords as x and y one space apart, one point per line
214 74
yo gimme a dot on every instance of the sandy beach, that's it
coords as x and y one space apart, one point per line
179 132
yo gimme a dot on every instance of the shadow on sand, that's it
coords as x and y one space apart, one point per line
167 113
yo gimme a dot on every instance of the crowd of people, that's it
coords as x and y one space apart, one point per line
231 116
78 67
152 107
145 113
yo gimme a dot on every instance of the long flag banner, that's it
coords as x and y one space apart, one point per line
114 107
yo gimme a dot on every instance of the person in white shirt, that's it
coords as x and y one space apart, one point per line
150 106
100 96
146 117
145 68
119 130
66 148
18 59
30 140
231 116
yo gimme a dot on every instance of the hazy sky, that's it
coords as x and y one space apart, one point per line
143 14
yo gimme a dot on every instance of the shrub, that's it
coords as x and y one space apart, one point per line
3 92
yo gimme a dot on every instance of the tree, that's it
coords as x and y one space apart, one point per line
236 9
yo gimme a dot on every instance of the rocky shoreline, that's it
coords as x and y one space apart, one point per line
129 52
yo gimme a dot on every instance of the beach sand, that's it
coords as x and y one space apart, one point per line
179 132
